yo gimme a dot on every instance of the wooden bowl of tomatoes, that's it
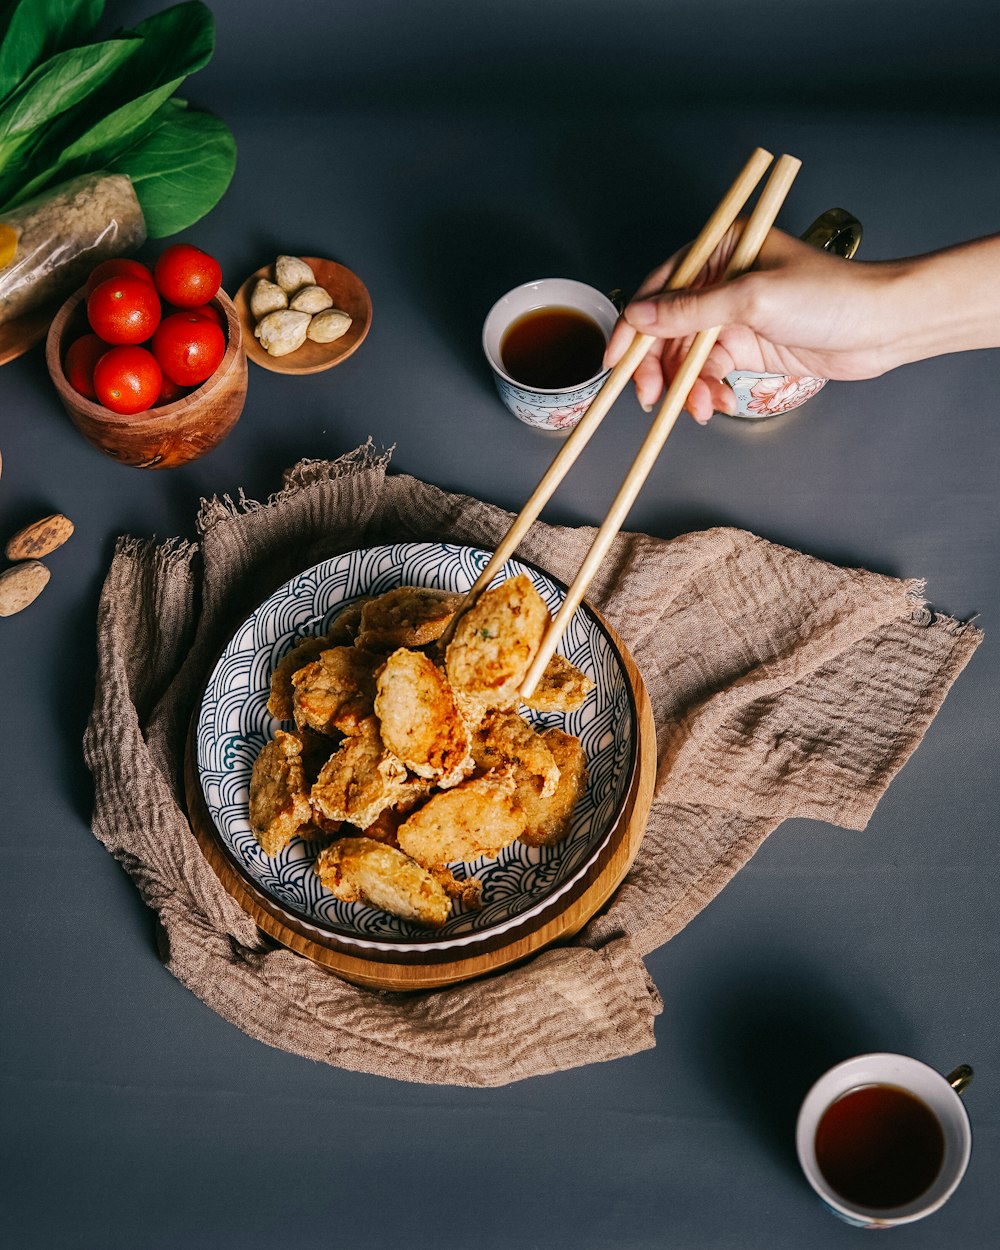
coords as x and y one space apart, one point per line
148 375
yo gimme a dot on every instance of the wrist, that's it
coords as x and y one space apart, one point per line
941 302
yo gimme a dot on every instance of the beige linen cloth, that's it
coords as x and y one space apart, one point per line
781 687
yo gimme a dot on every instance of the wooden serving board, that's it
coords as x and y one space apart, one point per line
405 970
17 337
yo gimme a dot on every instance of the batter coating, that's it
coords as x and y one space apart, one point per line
409 616
420 721
548 819
561 687
279 800
496 640
360 780
505 738
474 819
335 692
362 870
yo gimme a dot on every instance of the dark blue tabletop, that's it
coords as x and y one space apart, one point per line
447 153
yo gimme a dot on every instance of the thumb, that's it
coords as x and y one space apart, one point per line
680 314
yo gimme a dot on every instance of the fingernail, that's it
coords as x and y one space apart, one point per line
646 407
642 314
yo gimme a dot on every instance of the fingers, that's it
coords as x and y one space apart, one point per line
648 379
679 314
623 333
621 336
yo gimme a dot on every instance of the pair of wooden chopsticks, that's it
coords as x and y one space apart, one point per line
745 254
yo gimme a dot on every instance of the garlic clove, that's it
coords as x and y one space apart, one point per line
311 299
329 325
282 331
292 273
266 297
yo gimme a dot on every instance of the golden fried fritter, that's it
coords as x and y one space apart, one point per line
362 870
474 819
359 780
506 738
495 641
280 704
548 818
409 616
279 802
561 687
344 627
335 691
386 824
420 721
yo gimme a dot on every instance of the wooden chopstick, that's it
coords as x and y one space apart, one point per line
751 240
712 234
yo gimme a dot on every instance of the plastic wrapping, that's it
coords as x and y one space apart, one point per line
63 234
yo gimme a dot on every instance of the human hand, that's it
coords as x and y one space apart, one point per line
800 312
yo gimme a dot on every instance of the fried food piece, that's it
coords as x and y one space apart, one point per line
476 818
360 780
409 616
386 824
280 703
420 721
562 687
344 627
316 750
469 891
548 818
495 641
335 691
279 802
506 738
363 870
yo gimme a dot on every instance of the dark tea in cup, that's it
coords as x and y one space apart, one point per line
884 1139
552 348
879 1146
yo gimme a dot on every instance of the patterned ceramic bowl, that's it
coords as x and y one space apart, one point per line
233 723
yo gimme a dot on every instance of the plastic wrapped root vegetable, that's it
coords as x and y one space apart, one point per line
63 234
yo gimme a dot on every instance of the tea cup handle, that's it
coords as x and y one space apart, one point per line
960 1079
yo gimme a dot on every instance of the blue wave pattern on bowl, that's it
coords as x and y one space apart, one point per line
234 724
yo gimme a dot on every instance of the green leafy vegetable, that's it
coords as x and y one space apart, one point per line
180 168
167 48
108 105
34 30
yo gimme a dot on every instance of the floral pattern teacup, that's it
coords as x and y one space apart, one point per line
556 411
761 395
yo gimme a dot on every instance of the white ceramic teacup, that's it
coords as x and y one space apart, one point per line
939 1094
556 409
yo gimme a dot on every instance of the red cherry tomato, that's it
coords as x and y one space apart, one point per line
211 312
127 379
79 363
170 393
117 267
186 276
123 310
188 348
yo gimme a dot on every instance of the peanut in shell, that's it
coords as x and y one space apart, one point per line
20 585
40 538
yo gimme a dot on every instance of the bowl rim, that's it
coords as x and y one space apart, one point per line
97 412
402 947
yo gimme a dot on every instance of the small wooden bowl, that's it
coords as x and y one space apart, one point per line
159 438
348 293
